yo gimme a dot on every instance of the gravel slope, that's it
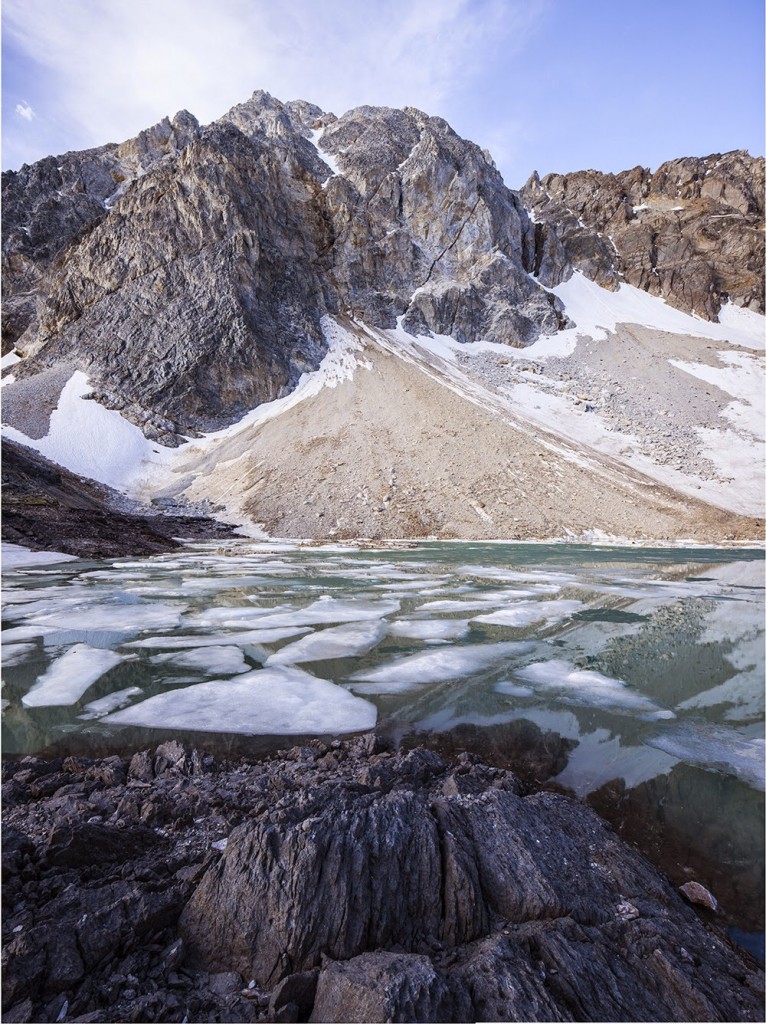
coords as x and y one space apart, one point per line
396 453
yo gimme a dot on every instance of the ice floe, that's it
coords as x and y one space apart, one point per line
430 629
212 660
436 666
242 638
15 654
15 556
526 612
716 748
329 610
584 686
353 639
112 701
68 678
118 618
269 701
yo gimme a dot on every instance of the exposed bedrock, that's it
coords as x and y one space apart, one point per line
338 882
690 232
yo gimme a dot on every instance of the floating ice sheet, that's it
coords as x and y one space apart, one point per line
430 629
437 666
15 556
212 660
269 701
353 639
112 701
330 609
238 639
119 618
15 654
70 676
526 612
583 686
716 748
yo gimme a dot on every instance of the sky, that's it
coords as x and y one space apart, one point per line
546 85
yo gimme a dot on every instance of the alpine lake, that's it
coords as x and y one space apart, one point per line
632 678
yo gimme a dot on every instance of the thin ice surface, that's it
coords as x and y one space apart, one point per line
347 641
212 660
237 639
585 686
329 610
112 701
269 701
716 748
439 666
70 676
430 629
527 612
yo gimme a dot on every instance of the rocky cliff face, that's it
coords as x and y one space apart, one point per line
691 232
187 271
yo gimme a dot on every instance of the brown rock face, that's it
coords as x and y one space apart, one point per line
691 232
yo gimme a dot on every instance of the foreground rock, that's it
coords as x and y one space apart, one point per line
339 882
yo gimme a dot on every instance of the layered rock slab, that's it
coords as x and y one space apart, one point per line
338 882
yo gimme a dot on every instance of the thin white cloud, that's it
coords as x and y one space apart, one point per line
24 110
117 66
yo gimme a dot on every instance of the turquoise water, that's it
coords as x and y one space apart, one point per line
631 677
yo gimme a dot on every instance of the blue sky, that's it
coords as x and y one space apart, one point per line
547 85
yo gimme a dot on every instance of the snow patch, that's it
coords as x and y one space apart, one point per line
90 440
596 310
324 156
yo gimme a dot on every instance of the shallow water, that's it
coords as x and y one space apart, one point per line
632 677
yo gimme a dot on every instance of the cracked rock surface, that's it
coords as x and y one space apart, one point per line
690 232
340 882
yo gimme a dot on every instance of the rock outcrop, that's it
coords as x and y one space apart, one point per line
690 232
342 882
46 507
